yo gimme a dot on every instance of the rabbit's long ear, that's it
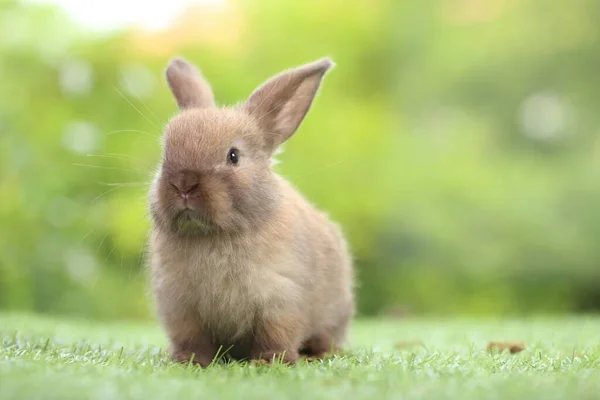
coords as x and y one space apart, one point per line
188 86
281 103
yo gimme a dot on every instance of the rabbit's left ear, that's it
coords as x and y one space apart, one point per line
188 86
281 103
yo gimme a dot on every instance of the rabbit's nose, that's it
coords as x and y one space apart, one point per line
185 184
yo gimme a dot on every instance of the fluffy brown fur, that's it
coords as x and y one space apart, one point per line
239 258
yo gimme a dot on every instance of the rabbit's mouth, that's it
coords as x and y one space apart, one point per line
192 222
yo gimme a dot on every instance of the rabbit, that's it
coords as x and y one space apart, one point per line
239 260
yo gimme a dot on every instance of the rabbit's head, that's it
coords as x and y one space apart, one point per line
215 174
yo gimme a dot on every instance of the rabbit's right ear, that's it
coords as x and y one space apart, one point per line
188 86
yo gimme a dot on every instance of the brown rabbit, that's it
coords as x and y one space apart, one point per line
239 259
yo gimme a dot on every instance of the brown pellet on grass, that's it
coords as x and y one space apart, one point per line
512 347
405 344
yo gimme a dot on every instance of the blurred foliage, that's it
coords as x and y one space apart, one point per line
457 142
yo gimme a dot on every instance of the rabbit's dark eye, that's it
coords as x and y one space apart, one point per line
233 156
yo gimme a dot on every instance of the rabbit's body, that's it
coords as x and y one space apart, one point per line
229 285
246 262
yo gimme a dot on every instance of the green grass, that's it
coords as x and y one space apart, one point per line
43 357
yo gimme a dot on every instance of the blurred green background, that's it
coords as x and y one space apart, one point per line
457 142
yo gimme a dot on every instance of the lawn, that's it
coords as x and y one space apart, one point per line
43 357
